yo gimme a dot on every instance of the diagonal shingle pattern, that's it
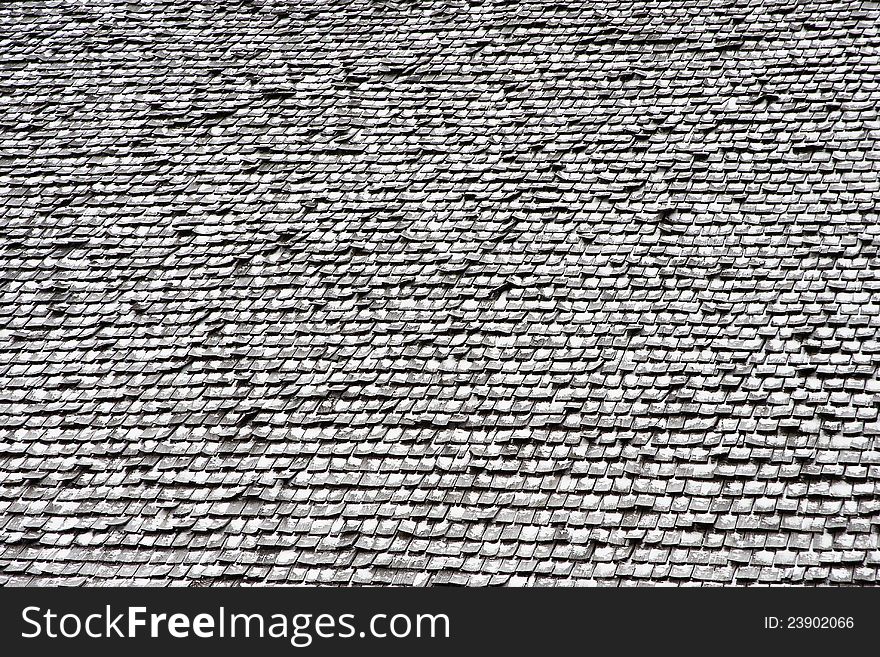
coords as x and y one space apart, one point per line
424 292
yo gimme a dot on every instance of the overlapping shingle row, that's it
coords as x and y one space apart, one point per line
439 292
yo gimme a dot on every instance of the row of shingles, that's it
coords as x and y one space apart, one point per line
411 501
135 502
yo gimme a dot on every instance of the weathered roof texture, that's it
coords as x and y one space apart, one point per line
439 292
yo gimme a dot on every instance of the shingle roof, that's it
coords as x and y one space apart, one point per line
439 292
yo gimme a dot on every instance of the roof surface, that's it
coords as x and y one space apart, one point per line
439 292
